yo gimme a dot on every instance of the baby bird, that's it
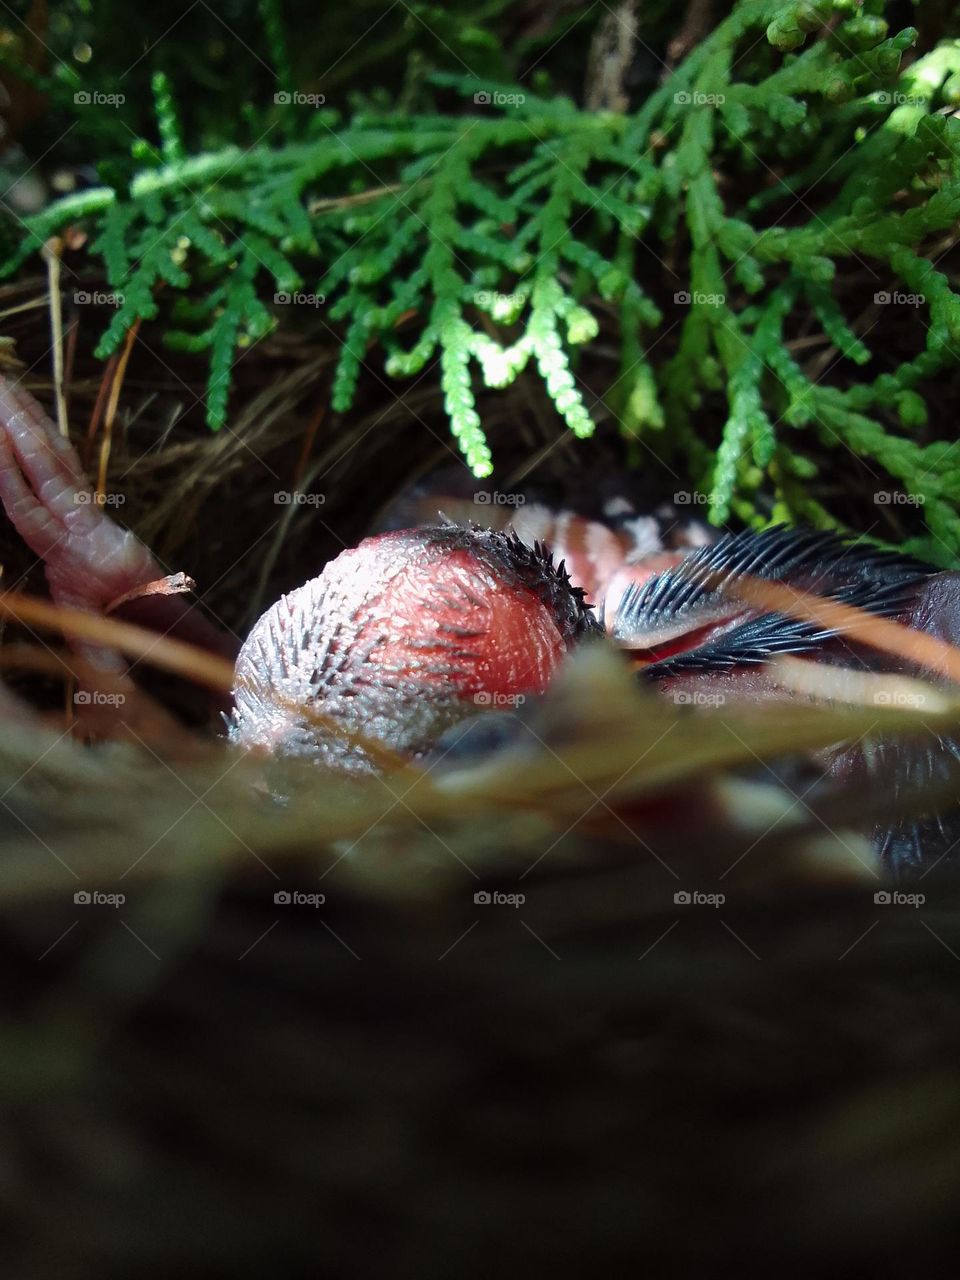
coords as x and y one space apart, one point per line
418 629
403 636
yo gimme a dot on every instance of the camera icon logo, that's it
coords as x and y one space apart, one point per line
281 299
282 897
682 898
482 498
682 298
882 299
882 898
282 498
82 698
82 898
82 98
482 99
682 99
482 898
282 99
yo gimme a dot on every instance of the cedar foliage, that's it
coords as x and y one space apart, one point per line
490 229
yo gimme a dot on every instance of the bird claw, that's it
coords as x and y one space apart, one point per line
174 584
89 560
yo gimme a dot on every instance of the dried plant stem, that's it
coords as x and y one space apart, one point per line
111 411
51 256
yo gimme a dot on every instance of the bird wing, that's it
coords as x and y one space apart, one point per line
689 611
763 636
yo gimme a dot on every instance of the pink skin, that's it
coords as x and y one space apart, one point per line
404 636
601 558
611 589
90 561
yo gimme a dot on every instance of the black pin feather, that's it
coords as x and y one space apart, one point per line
695 594
767 635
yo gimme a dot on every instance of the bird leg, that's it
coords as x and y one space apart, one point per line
91 562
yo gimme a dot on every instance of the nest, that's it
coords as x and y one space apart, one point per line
632 969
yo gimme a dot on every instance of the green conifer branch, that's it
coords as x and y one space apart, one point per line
503 235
